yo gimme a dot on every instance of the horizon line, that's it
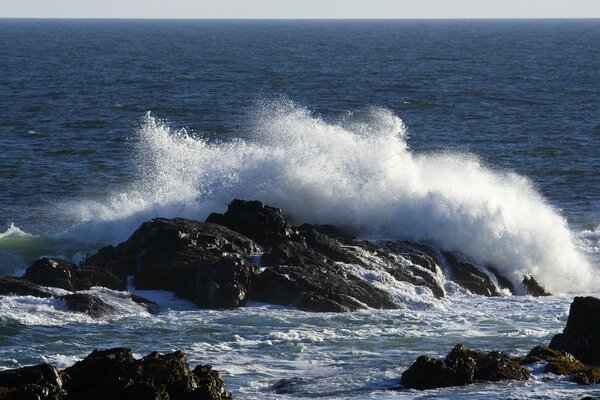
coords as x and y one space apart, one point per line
300 19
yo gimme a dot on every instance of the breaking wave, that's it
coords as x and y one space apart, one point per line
356 172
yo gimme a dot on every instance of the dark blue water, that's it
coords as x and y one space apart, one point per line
522 95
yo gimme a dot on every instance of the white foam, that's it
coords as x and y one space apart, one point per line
357 172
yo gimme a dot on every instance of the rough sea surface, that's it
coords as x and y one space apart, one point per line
476 136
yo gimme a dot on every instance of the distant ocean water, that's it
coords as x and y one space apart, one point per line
478 136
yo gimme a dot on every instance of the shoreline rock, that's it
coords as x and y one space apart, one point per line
115 373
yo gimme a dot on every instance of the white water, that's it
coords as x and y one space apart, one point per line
357 172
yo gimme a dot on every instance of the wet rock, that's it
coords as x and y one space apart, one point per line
330 246
201 262
149 305
462 366
503 282
430 373
288 386
298 276
533 288
66 275
256 220
423 267
114 373
469 276
581 336
36 382
557 362
88 304
20 287
590 376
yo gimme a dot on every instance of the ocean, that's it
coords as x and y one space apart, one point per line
478 136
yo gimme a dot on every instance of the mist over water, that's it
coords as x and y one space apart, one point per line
356 172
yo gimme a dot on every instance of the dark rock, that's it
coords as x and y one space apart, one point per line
490 367
533 288
256 220
115 374
20 287
37 382
327 245
88 304
581 336
558 362
503 282
66 275
287 386
150 306
469 276
462 366
201 262
424 268
590 376
430 373
300 277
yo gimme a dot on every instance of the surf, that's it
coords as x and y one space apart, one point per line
356 172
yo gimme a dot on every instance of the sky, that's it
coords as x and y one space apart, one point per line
300 9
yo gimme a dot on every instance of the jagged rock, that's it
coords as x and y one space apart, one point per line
149 305
462 366
115 374
202 262
297 275
256 220
591 376
581 336
88 304
429 373
36 382
503 282
557 362
533 288
20 287
469 276
66 275
424 268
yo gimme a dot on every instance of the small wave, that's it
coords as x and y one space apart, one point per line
14 231
356 172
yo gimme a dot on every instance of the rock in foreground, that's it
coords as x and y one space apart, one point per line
116 374
581 336
461 367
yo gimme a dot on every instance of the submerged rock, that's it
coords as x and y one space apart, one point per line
66 275
21 287
296 275
581 336
256 220
88 304
557 362
116 374
201 262
149 305
462 366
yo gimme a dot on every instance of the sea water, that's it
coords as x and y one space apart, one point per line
476 136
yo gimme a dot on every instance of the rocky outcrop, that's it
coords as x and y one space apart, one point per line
469 276
149 305
20 287
116 374
297 275
557 362
533 288
256 220
88 304
63 274
36 382
462 366
201 262
581 336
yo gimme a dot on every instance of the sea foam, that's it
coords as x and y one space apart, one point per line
357 172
